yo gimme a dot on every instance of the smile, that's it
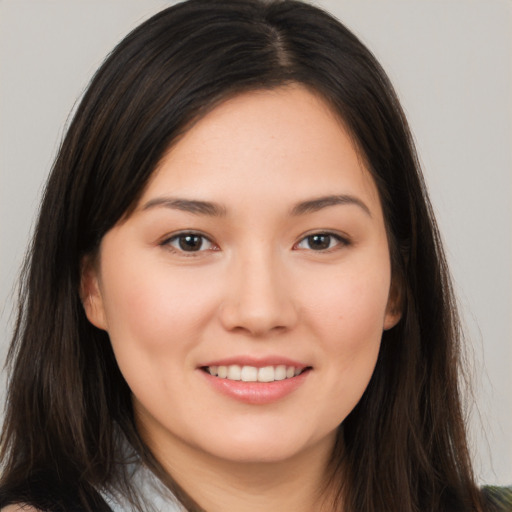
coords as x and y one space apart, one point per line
253 374
256 382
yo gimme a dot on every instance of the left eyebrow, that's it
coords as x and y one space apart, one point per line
187 205
318 203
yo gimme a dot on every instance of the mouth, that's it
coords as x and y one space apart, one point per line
256 381
246 373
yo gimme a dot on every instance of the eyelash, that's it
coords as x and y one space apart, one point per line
339 240
180 239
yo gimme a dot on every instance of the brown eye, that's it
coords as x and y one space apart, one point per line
189 242
321 242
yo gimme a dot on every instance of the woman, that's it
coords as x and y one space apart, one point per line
236 297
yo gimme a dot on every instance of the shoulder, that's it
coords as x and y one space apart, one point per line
497 499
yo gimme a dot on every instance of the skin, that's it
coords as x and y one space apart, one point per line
257 287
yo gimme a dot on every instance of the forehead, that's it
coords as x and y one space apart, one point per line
285 139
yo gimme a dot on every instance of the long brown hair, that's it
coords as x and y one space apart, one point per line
404 443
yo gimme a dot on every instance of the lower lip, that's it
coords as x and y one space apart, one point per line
256 393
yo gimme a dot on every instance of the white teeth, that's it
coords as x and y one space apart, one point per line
266 374
253 374
280 372
249 374
234 372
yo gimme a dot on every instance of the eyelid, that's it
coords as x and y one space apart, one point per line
166 243
342 240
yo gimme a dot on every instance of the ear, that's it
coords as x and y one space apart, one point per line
90 293
394 307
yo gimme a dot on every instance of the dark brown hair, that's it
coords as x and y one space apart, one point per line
404 443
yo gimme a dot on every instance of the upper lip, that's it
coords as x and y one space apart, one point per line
258 362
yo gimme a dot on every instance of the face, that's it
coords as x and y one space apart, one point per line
246 296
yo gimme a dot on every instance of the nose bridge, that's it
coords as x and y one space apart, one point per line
258 299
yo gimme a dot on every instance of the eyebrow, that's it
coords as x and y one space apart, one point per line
187 205
316 204
209 208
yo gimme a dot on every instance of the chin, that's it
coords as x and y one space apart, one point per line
264 446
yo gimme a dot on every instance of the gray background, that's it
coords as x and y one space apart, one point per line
451 62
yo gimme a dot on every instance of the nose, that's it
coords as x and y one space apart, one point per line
259 298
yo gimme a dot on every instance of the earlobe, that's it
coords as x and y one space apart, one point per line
394 307
392 317
90 294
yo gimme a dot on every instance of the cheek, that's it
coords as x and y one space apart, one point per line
347 314
349 305
153 312
352 334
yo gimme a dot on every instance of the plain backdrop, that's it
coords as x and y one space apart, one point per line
451 63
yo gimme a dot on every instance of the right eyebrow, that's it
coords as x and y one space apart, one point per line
187 205
318 203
